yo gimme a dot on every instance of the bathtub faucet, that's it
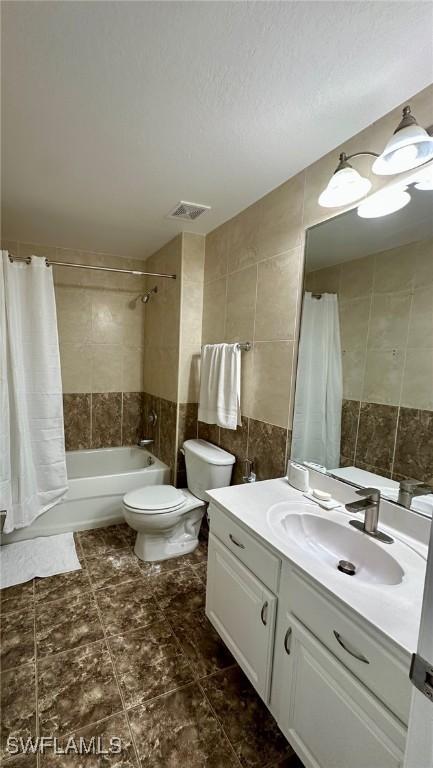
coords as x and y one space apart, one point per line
144 442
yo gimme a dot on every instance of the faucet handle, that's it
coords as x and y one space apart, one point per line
373 494
409 485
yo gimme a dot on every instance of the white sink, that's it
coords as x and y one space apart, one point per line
330 542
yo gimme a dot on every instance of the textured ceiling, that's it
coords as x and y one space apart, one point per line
114 111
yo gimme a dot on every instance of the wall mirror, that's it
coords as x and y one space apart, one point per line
364 391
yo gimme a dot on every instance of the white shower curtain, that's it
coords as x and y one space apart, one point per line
319 385
32 441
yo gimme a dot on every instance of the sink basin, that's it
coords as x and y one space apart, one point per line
330 542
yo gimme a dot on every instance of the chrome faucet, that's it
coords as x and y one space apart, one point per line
410 488
370 505
144 442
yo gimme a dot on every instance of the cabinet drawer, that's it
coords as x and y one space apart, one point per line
264 564
384 674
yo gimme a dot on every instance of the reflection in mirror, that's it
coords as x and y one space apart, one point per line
364 389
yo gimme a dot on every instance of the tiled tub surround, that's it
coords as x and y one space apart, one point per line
390 440
100 322
123 648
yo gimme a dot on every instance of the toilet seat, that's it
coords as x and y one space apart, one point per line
154 499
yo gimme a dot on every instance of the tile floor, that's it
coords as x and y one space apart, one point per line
123 648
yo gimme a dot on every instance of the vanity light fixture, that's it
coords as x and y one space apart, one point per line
409 147
346 185
384 202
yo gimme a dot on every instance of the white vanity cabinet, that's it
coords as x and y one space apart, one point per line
327 715
243 612
339 691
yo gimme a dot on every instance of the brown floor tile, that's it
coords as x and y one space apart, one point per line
18 699
62 585
21 761
127 606
114 568
201 571
116 726
16 598
201 643
157 567
179 730
149 662
100 541
17 639
65 624
179 592
250 728
76 688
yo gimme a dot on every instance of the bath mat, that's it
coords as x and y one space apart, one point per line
44 556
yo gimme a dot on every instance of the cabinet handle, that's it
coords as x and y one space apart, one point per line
238 544
287 637
262 613
358 656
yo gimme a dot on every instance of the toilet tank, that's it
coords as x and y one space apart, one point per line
207 467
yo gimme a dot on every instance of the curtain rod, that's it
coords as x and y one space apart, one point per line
28 260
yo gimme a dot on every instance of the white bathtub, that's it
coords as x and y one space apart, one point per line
98 480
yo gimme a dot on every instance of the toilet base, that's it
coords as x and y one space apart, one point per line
163 545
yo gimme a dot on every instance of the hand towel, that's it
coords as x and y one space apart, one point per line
220 385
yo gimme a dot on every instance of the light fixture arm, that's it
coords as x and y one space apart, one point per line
344 159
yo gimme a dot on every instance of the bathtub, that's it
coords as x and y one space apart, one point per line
98 480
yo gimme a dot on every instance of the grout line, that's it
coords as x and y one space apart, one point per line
204 694
36 671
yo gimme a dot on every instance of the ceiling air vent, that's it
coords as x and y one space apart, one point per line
187 211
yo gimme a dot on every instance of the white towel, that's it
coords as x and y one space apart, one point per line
220 385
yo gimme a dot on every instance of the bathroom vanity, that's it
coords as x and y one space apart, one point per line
328 653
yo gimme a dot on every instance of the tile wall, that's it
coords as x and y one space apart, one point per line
253 277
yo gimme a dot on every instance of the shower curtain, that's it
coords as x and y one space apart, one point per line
319 385
32 447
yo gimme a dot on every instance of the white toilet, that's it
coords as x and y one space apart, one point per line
167 519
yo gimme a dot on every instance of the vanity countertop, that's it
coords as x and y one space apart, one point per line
394 610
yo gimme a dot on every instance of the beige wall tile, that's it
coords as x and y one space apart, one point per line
74 315
280 218
214 308
354 321
424 264
106 367
193 257
76 366
215 264
418 379
168 374
192 313
354 360
421 319
132 369
189 374
277 296
383 376
394 269
356 278
326 280
241 237
241 303
269 399
389 320
107 317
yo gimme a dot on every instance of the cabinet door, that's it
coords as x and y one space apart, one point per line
329 717
242 611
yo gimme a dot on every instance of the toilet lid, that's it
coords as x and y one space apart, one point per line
155 498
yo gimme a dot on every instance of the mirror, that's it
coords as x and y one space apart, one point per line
364 391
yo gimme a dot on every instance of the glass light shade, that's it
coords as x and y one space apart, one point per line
383 203
424 180
406 149
345 186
